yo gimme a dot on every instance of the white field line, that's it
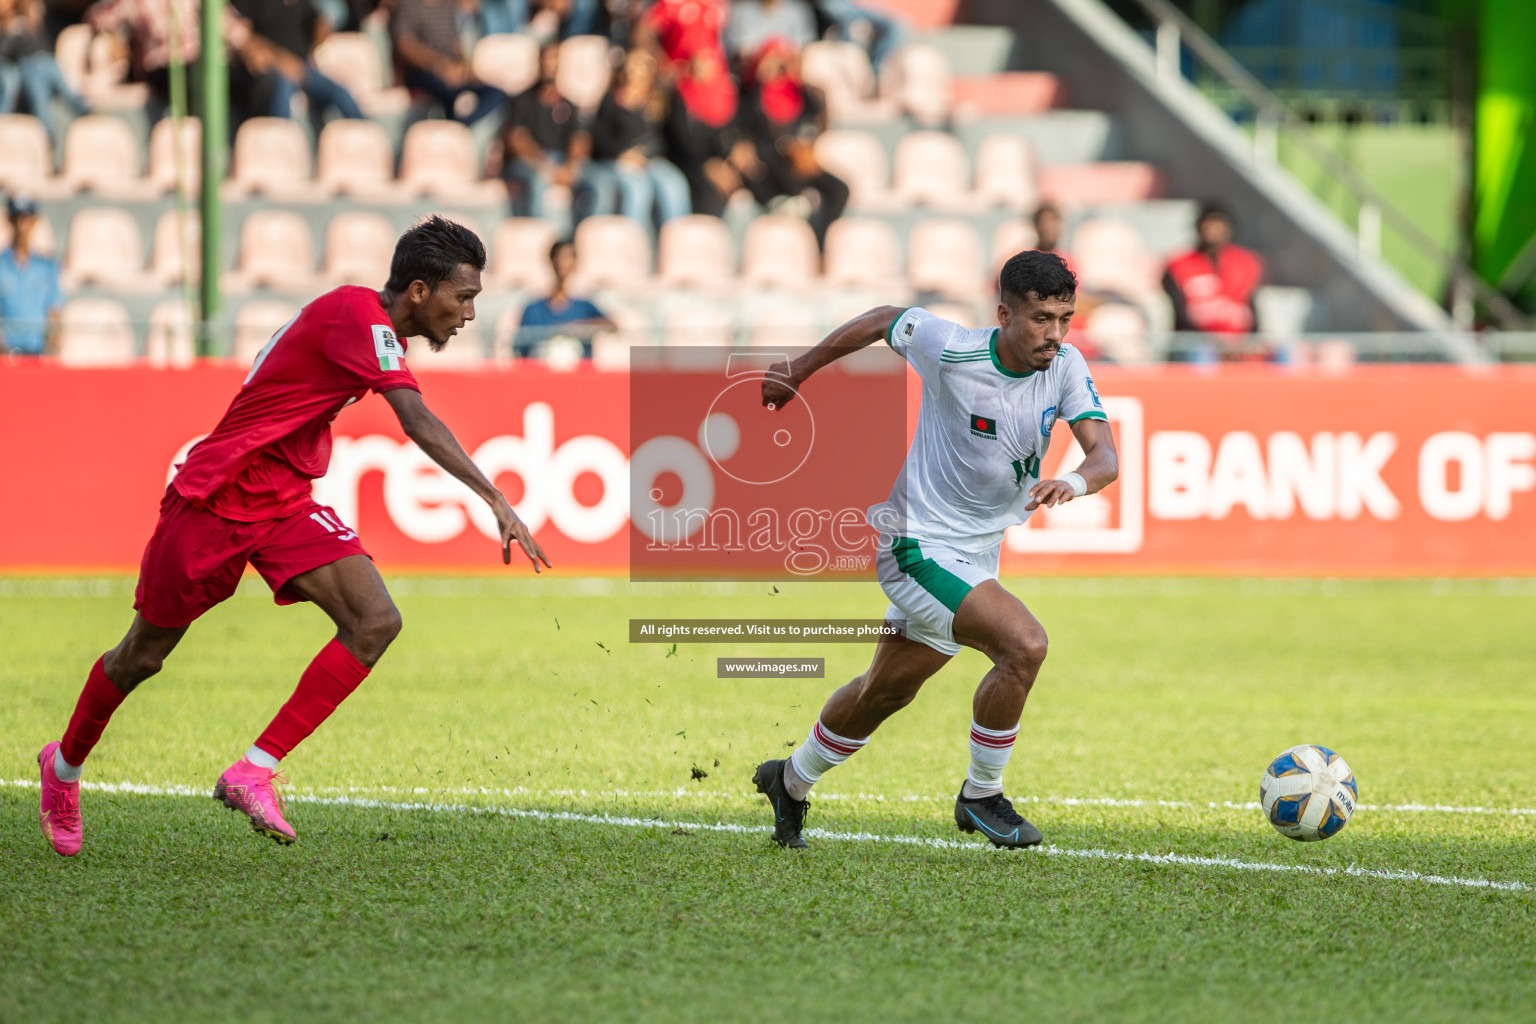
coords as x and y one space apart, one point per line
624 821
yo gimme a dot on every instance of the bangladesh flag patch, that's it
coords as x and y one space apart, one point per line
984 426
388 348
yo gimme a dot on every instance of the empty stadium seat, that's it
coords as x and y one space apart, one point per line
1005 173
1012 236
1110 256
862 253
520 255
105 248
255 324
944 256
931 170
1099 184
351 59
918 80
788 326
358 249
1119 333
695 252
700 324
101 155
171 251
171 340
612 252
1009 93
162 155
276 250
438 159
507 60
272 159
841 71
859 159
356 160
584 70
95 332
779 252
26 158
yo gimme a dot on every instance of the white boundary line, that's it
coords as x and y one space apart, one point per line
622 821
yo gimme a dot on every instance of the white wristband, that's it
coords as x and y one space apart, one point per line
1079 485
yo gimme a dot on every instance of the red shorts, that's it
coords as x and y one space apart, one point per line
195 558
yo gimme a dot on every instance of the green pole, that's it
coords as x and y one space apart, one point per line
215 103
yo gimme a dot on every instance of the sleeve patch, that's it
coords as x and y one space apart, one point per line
388 348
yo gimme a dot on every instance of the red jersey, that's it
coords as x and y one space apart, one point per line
275 438
684 27
1218 297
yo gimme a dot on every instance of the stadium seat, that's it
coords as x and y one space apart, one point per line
106 249
1099 184
358 248
520 255
464 351
1005 173
584 70
272 159
862 253
779 252
695 252
101 155
96 68
700 324
931 170
782 325
276 250
171 340
162 155
357 160
1282 311
612 253
918 80
963 314
507 60
26 158
1110 256
841 71
72 53
352 59
438 159
169 253
1012 236
944 256
255 324
95 332
1006 94
859 159
1119 333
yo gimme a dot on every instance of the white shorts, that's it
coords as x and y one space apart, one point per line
926 582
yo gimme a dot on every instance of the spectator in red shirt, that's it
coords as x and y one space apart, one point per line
1212 287
681 29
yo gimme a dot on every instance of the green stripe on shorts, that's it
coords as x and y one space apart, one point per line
945 587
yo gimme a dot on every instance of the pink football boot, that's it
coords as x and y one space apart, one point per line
60 811
252 790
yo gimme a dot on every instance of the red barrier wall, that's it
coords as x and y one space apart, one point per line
1242 470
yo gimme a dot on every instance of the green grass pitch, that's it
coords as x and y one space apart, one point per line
1160 705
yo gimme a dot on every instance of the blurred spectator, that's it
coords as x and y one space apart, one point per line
781 117
1048 231
147 24
1213 286
627 145
754 22
431 56
879 34
27 67
281 60
546 142
549 321
562 19
502 16
682 29
30 298
700 126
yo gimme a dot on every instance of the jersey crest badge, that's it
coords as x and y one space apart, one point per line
984 426
907 329
388 348
1047 420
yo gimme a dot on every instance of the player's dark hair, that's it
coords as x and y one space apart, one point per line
431 251
1043 275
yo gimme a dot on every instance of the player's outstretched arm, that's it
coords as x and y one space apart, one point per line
779 387
433 437
1099 468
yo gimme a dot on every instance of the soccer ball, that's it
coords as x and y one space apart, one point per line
1308 792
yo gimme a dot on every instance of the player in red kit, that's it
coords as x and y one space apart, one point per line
243 496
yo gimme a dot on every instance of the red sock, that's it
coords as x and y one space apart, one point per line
92 712
328 681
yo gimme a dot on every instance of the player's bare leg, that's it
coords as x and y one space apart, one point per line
138 656
996 623
353 594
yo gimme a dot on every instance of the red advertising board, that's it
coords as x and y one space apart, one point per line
1391 470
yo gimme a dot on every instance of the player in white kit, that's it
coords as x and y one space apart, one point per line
990 401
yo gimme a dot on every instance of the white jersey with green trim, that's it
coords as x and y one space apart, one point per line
982 431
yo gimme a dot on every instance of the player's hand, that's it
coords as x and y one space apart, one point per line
779 386
1049 493
514 529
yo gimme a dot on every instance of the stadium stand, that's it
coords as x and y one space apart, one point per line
519 255
353 60
358 245
272 160
356 160
695 252
944 257
102 156
162 175
104 248
439 160
277 251
612 253
95 332
862 253
170 340
779 252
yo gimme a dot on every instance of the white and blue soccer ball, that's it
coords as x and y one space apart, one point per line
1308 793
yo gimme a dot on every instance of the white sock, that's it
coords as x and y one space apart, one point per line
821 750
261 759
63 769
990 749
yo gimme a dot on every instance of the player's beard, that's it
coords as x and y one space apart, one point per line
436 345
